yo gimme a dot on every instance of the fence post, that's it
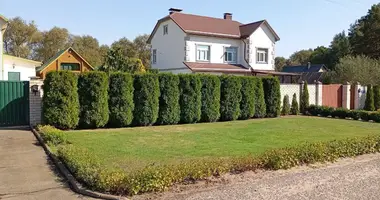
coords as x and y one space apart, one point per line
35 101
346 98
301 90
318 93
356 96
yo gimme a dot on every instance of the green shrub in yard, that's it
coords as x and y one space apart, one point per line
326 111
190 98
272 96
375 116
376 96
285 106
314 110
341 113
369 101
364 115
51 135
304 102
120 99
210 110
294 110
230 97
354 114
60 103
146 98
247 103
260 107
169 110
93 99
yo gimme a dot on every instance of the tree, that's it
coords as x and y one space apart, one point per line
142 49
300 57
339 48
321 55
304 104
294 110
88 47
126 47
285 106
376 94
116 61
369 101
364 34
280 62
54 40
21 37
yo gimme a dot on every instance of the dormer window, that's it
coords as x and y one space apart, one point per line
70 66
166 30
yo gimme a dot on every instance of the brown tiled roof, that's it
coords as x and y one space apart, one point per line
216 67
210 26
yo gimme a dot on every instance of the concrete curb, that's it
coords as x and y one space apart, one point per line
74 184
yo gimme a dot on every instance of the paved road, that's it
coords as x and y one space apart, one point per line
25 171
347 179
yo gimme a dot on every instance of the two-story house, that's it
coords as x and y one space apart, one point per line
185 43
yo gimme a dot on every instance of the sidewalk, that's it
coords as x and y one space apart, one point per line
26 171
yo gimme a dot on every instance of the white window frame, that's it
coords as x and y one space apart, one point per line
200 53
262 55
234 54
154 56
166 29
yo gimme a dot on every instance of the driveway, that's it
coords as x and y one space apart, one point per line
25 170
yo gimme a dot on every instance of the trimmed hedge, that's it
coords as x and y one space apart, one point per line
146 98
304 102
376 96
190 98
120 99
169 110
369 101
93 99
285 106
230 97
60 102
272 94
247 103
210 92
51 135
341 113
260 107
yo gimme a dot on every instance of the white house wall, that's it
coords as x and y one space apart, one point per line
170 48
26 69
262 38
217 46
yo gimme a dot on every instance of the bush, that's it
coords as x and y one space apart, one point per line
369 101
375 116
93 99
260 107
210 109
190 98
342 113
294 110
326 111
272 95
247 103
364 115
376 96
120 99
230 97
304 104
285 106
354 114
169 110
51 135
60 103
314 110
146 98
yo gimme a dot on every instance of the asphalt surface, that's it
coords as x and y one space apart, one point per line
357 178
25 170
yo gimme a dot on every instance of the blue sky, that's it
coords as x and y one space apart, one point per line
300 24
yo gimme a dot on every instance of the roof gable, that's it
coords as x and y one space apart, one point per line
57 56
304 68
246 30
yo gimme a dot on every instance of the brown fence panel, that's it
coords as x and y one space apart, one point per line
332 95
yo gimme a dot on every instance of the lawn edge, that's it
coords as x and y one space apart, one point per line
74 184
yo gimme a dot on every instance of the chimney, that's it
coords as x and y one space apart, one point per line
308 65
227 16
173 10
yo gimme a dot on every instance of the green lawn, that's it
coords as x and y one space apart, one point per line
132 148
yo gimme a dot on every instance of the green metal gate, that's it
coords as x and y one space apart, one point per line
14 103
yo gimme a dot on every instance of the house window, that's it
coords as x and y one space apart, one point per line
70 66
203 53
13 76
166 31
154 56
262 55
230 54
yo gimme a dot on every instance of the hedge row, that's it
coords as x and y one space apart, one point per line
121 100
87 168
342 113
